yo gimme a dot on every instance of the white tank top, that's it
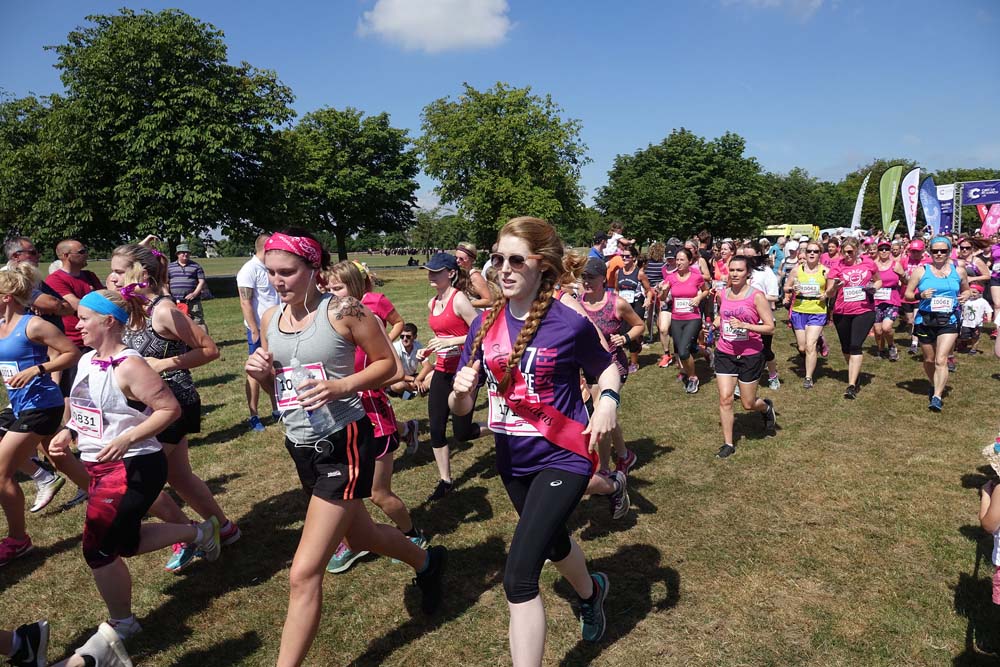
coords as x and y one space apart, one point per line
100 412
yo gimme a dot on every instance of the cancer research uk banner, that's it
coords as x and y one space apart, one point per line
980 192
946 198
932 207
908 190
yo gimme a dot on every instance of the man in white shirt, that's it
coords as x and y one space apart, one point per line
407 347
256 296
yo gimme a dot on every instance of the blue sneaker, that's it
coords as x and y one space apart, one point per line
183 556
592 620
256 424
343 558
936 404
419 539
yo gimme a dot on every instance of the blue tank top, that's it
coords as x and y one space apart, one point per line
18 353
945 298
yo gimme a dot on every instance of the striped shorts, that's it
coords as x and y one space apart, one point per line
341 466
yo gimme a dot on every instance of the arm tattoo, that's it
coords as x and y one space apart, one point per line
346 306
246 293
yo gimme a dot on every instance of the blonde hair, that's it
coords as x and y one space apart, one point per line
656 252
19 279
543 240
348 273
143 259
134 305
492 278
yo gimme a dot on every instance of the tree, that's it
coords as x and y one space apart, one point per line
160 134
353 173
439 228
684 184
871 209
797 198
21 122
502 153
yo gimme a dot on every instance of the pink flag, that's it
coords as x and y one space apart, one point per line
991 223
983 210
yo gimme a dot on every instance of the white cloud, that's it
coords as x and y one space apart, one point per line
437 25
801 9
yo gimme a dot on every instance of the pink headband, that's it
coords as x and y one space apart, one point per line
303 246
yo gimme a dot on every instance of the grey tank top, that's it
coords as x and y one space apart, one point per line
319 343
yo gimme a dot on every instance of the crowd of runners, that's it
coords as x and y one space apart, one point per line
97 373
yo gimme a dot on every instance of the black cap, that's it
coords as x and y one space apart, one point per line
441 260
595 267
600 236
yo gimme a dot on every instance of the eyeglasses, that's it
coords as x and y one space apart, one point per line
81 251
405 337
516 261
848 251
27 252
626 256
939 251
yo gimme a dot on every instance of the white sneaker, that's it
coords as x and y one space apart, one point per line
211 541
106 648
46 492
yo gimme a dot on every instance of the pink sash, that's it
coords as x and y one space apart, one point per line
553 425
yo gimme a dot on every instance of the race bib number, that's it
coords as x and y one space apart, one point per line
628 295
718 285
883 294
284 388
853 294
996 267
504 420
810 290
8 369
682 306
942 304
86 420
732 333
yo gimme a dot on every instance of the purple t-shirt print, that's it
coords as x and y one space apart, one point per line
564 343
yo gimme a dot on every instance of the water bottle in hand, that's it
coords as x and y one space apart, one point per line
320 419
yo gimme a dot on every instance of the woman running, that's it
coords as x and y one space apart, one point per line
632 286
970 258
172 345
914 257
346 279
451 313
941 287
806 287
117 406
36 404
833 253
887 300
687 288
478 289
743 316
853 282
530 349
312 339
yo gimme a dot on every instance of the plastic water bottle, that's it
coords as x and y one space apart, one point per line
996 446
320 419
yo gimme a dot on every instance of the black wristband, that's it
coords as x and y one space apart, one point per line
613 395
628 339
41 370
73 434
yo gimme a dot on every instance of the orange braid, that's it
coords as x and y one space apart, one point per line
538 309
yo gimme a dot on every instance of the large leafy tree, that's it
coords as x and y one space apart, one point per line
683 184
353 173
158 133
501 153
796 198
21 159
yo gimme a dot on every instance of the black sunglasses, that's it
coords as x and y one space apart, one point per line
405 336
812 252
939 251
965 247
627 256
516 261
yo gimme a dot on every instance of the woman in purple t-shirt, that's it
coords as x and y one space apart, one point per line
530 348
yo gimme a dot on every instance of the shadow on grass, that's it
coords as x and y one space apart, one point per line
633 572
920 387
232 651
471 572
840 375
216 380
973 601
217 485
459 508
217 437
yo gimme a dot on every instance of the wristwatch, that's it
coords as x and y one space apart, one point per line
41 370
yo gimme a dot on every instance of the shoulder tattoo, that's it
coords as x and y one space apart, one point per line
346 306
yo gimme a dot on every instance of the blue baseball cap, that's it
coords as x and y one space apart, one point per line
441 260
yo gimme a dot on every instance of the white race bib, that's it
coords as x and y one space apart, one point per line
942 304
809 289
86 420
628 295
996 267
718 285
883 294
853 294
682 306
284 389
504 420
734 333
8 369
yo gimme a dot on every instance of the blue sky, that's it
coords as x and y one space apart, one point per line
822 84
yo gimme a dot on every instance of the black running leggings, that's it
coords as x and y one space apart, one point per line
544 502
437 413
685 335
853 330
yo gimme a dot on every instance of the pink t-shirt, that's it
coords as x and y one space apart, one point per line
852 299
891 287
828 261
682 291
375 401
738 341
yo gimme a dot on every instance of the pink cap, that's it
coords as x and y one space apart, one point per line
916 244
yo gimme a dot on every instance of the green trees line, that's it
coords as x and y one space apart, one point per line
157 133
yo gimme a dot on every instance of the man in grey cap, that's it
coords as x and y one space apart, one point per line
187 281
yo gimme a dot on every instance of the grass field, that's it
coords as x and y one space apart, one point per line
850 538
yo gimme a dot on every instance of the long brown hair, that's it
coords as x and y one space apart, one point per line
144 259
543 240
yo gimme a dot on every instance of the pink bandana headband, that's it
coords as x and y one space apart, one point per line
303 246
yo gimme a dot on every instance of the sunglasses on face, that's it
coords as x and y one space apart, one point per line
848 251
626 256
81 251
965 247
939 251
516 261
405 337
812 251
27 252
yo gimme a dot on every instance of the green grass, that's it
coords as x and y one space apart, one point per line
851 538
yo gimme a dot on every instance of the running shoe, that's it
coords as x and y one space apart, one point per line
11 549
46 492
736 390
275 416
893 353
419 539
952 365
824 349
229 533
34 645
429 581
914 350
851 392
937 405
682 378
633 368
343 558
627 462
255 424
993 334
126 628
105 648
592 621
774 383
665 361
183 556
80 497
692 385
619 499
770 421
412 436
442 489
725 451
808 383
211 542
